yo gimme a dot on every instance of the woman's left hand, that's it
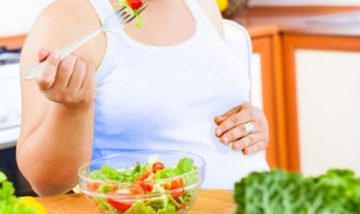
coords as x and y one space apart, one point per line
245 127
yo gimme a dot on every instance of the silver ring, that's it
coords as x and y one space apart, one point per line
249 127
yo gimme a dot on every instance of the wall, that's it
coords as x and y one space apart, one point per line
17 16
304 2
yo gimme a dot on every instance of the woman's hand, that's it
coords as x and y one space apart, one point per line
234 127
69 81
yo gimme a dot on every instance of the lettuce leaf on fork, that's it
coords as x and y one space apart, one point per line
131 12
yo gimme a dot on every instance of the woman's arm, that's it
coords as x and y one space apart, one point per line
57 109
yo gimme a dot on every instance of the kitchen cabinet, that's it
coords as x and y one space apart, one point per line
303 52
265 72
322 85
12 42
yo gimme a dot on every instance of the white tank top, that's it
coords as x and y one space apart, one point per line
165 98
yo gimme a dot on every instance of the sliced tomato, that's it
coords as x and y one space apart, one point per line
178 185
147 186
119 205
136 190
157 166
145 175
93 186
181 206
123 205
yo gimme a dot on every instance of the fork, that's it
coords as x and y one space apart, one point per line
110 25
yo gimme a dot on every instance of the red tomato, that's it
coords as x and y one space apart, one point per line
136 190
135 4
93 186
157 166
146 186
177 184
123 205
145 175
181 206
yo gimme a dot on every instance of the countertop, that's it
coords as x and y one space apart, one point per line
208 201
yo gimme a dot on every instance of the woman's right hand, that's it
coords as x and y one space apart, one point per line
69 82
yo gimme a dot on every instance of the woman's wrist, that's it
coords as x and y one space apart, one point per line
73 111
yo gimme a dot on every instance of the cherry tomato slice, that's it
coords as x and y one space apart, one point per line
178 185
157 166
135 4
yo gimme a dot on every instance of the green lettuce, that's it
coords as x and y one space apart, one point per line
108 173
9 204
185 165
337 191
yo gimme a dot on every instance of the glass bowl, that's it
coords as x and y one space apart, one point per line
153 190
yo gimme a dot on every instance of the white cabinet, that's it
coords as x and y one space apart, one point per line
328 103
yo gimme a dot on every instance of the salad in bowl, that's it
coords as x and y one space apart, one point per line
147 182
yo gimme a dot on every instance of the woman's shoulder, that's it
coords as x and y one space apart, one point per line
60 23
67 16
213 13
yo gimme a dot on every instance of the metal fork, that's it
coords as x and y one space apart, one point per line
111 24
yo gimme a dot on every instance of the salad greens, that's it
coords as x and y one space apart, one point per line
337 191
132 10
9 204
168 183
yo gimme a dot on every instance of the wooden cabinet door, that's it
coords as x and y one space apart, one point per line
322 88
265 50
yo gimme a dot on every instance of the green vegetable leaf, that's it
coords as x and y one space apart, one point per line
184 165
105 188
140 208
337 191
98 175
131 12
165 173
2 177
169 209
9 204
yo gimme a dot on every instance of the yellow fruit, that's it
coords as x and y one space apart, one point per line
223 4
33 203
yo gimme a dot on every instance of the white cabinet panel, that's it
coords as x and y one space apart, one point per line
256 96
328 93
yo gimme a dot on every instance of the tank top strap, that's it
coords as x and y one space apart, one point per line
103 8
200 15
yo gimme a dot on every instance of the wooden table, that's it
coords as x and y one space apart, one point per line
209 201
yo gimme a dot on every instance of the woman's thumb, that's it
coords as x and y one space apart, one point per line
43 54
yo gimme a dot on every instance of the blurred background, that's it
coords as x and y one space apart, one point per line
305 76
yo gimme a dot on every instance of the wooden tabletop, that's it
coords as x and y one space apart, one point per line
208 201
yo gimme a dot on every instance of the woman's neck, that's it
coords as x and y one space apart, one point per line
166 22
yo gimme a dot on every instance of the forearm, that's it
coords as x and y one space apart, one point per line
50 157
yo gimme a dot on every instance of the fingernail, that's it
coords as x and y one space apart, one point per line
236 147
56 55
219 132
226 140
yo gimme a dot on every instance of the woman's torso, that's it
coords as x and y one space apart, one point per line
165 98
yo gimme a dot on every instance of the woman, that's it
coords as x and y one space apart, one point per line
155 87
